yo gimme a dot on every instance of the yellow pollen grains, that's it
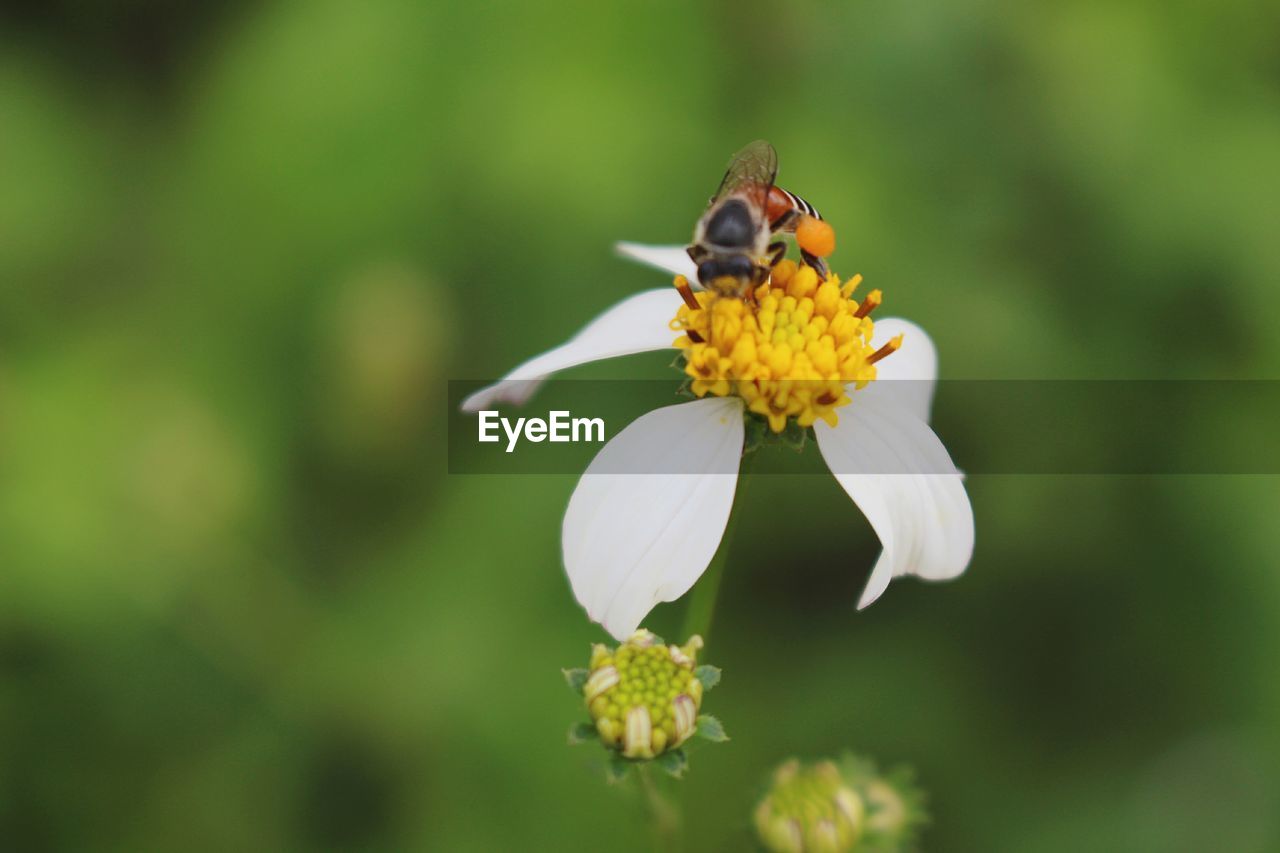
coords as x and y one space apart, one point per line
791 352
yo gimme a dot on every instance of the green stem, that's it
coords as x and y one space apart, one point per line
664 816
702 599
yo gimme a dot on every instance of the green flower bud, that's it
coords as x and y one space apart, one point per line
895 806
643 697
809 808
839 807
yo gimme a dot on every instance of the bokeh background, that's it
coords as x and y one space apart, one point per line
243 247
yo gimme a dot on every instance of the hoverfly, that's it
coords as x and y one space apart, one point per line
731 243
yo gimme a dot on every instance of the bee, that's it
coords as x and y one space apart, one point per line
733 242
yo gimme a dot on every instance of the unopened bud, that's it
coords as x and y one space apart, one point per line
809 808
643 696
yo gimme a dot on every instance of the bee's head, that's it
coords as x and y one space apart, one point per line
727 275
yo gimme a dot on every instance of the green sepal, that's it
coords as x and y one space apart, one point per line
710 728
675 762
759 433
756 430
581 733
616 769
576 678
794 436
708 675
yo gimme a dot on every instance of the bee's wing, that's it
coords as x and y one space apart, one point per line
751 172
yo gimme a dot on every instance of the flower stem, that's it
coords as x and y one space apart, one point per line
664 816
702 599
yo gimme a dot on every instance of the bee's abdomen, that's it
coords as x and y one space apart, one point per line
781 202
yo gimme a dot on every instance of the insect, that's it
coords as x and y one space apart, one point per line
733 242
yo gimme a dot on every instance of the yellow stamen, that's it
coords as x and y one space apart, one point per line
871 303
686 292
797 349
888 349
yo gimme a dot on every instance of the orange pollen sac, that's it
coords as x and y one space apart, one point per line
815 236
796 348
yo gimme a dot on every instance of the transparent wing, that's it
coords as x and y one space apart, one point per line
751 172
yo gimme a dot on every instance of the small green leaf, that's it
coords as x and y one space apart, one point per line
616 769
708 675
581 733
576 678
674 762
709 728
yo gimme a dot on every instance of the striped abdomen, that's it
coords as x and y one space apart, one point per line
783 208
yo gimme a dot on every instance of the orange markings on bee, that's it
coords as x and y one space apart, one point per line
815 236
777 204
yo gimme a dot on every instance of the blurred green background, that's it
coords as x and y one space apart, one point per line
243 246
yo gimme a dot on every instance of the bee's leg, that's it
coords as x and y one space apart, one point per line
819 265
775 253
762 273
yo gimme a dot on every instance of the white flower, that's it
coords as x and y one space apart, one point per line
632 540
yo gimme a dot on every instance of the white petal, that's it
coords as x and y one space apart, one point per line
672 259
636 324
907 376
632 540
902 478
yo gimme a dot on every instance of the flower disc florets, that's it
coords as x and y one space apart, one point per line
810 808
839 807
643 696
789 350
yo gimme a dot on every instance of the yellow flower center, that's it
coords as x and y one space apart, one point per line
794 348
644 697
